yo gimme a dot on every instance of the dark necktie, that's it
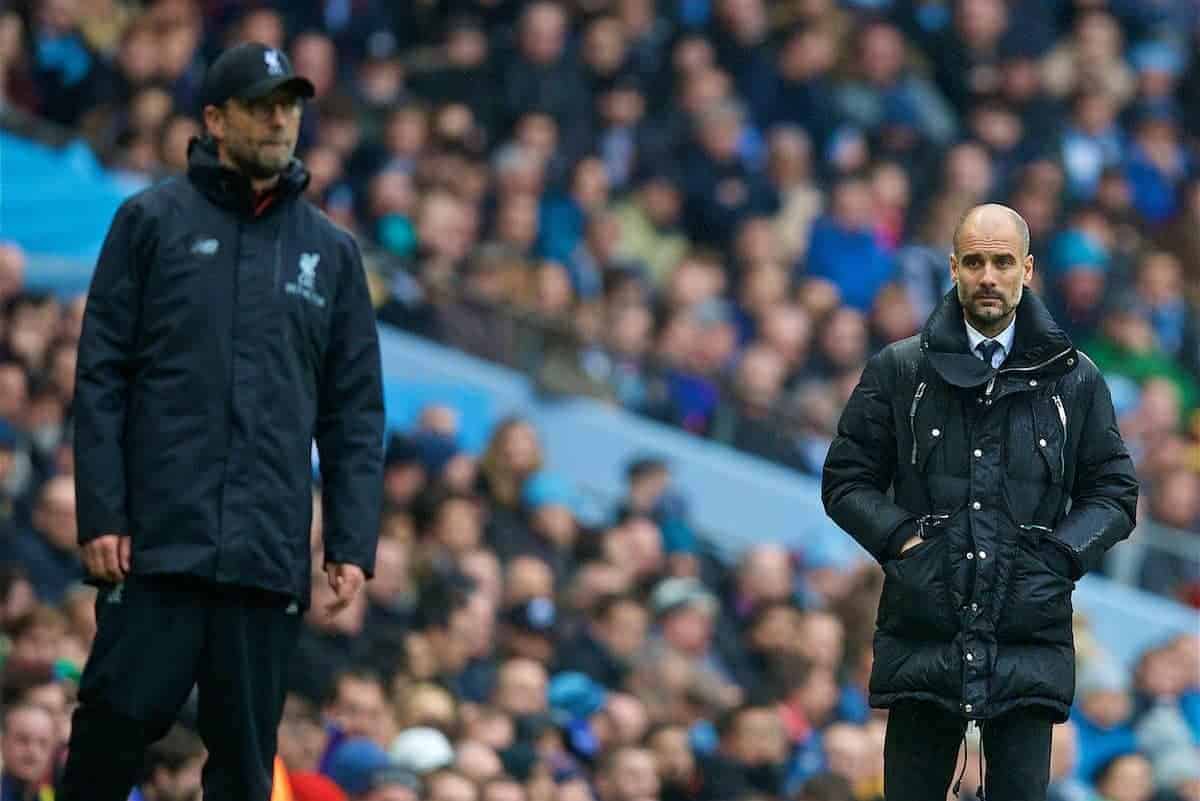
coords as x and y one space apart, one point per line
987 348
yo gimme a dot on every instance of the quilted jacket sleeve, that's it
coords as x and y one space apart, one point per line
862 463
1105 491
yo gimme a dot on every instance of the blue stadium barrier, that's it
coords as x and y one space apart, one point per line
736 499
57 205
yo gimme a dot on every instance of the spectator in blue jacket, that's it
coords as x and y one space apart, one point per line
844 249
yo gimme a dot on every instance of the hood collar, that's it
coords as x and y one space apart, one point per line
230 189
1037 340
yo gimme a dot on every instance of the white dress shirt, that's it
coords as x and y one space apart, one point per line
1005 338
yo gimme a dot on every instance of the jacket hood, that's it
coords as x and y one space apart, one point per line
1037 339
230 189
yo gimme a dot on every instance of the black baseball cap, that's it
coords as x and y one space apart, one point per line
249 71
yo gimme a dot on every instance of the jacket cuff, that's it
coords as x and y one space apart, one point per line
88 533
897 539
333 557
1061 558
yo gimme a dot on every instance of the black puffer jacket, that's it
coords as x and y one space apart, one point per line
1020 482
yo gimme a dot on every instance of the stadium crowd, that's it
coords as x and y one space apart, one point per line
728 205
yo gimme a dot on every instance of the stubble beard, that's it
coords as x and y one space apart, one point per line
987 318
258 166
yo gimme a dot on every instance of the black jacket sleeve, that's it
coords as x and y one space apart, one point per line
350 423
861 464
1105 490
105 372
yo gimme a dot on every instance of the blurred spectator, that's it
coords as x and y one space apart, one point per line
49 550
172 771
885 94
1105 709
27 747
1125 777
711 215
844 249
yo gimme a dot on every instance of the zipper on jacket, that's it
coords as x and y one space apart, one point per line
992 381
1036 527
278 266
1038 366
1062 414
912 418
1062 418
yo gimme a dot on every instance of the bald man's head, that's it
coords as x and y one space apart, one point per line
990 266
988 216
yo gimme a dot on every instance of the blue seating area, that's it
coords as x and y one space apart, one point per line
56 204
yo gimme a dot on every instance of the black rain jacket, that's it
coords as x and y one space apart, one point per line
222 335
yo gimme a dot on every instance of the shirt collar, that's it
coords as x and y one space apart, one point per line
1005 337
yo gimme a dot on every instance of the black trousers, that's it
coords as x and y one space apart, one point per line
156 638
922 746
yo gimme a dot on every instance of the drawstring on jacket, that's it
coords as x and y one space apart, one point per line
979 790
963 772
979 793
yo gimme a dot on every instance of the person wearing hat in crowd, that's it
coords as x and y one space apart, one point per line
1079 269
685 614
551 528
529 629
1105 712
392 783
364 771
228 325
421 750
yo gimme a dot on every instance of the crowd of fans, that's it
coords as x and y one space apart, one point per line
720 207
728 204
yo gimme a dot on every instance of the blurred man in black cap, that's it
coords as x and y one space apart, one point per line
228 325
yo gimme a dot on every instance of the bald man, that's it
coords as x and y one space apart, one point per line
955 462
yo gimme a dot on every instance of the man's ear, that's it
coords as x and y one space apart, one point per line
214 122
1028 278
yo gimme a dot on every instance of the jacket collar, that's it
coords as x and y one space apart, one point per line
230 189
1036 344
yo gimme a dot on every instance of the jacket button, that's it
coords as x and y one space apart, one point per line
987 402
1033 382
974 607
1042 442
970 555
1071 362
977 506
970 656
968 708
983 554
937 432
978 453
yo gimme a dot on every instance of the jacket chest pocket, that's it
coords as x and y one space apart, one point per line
933 419
1037 437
